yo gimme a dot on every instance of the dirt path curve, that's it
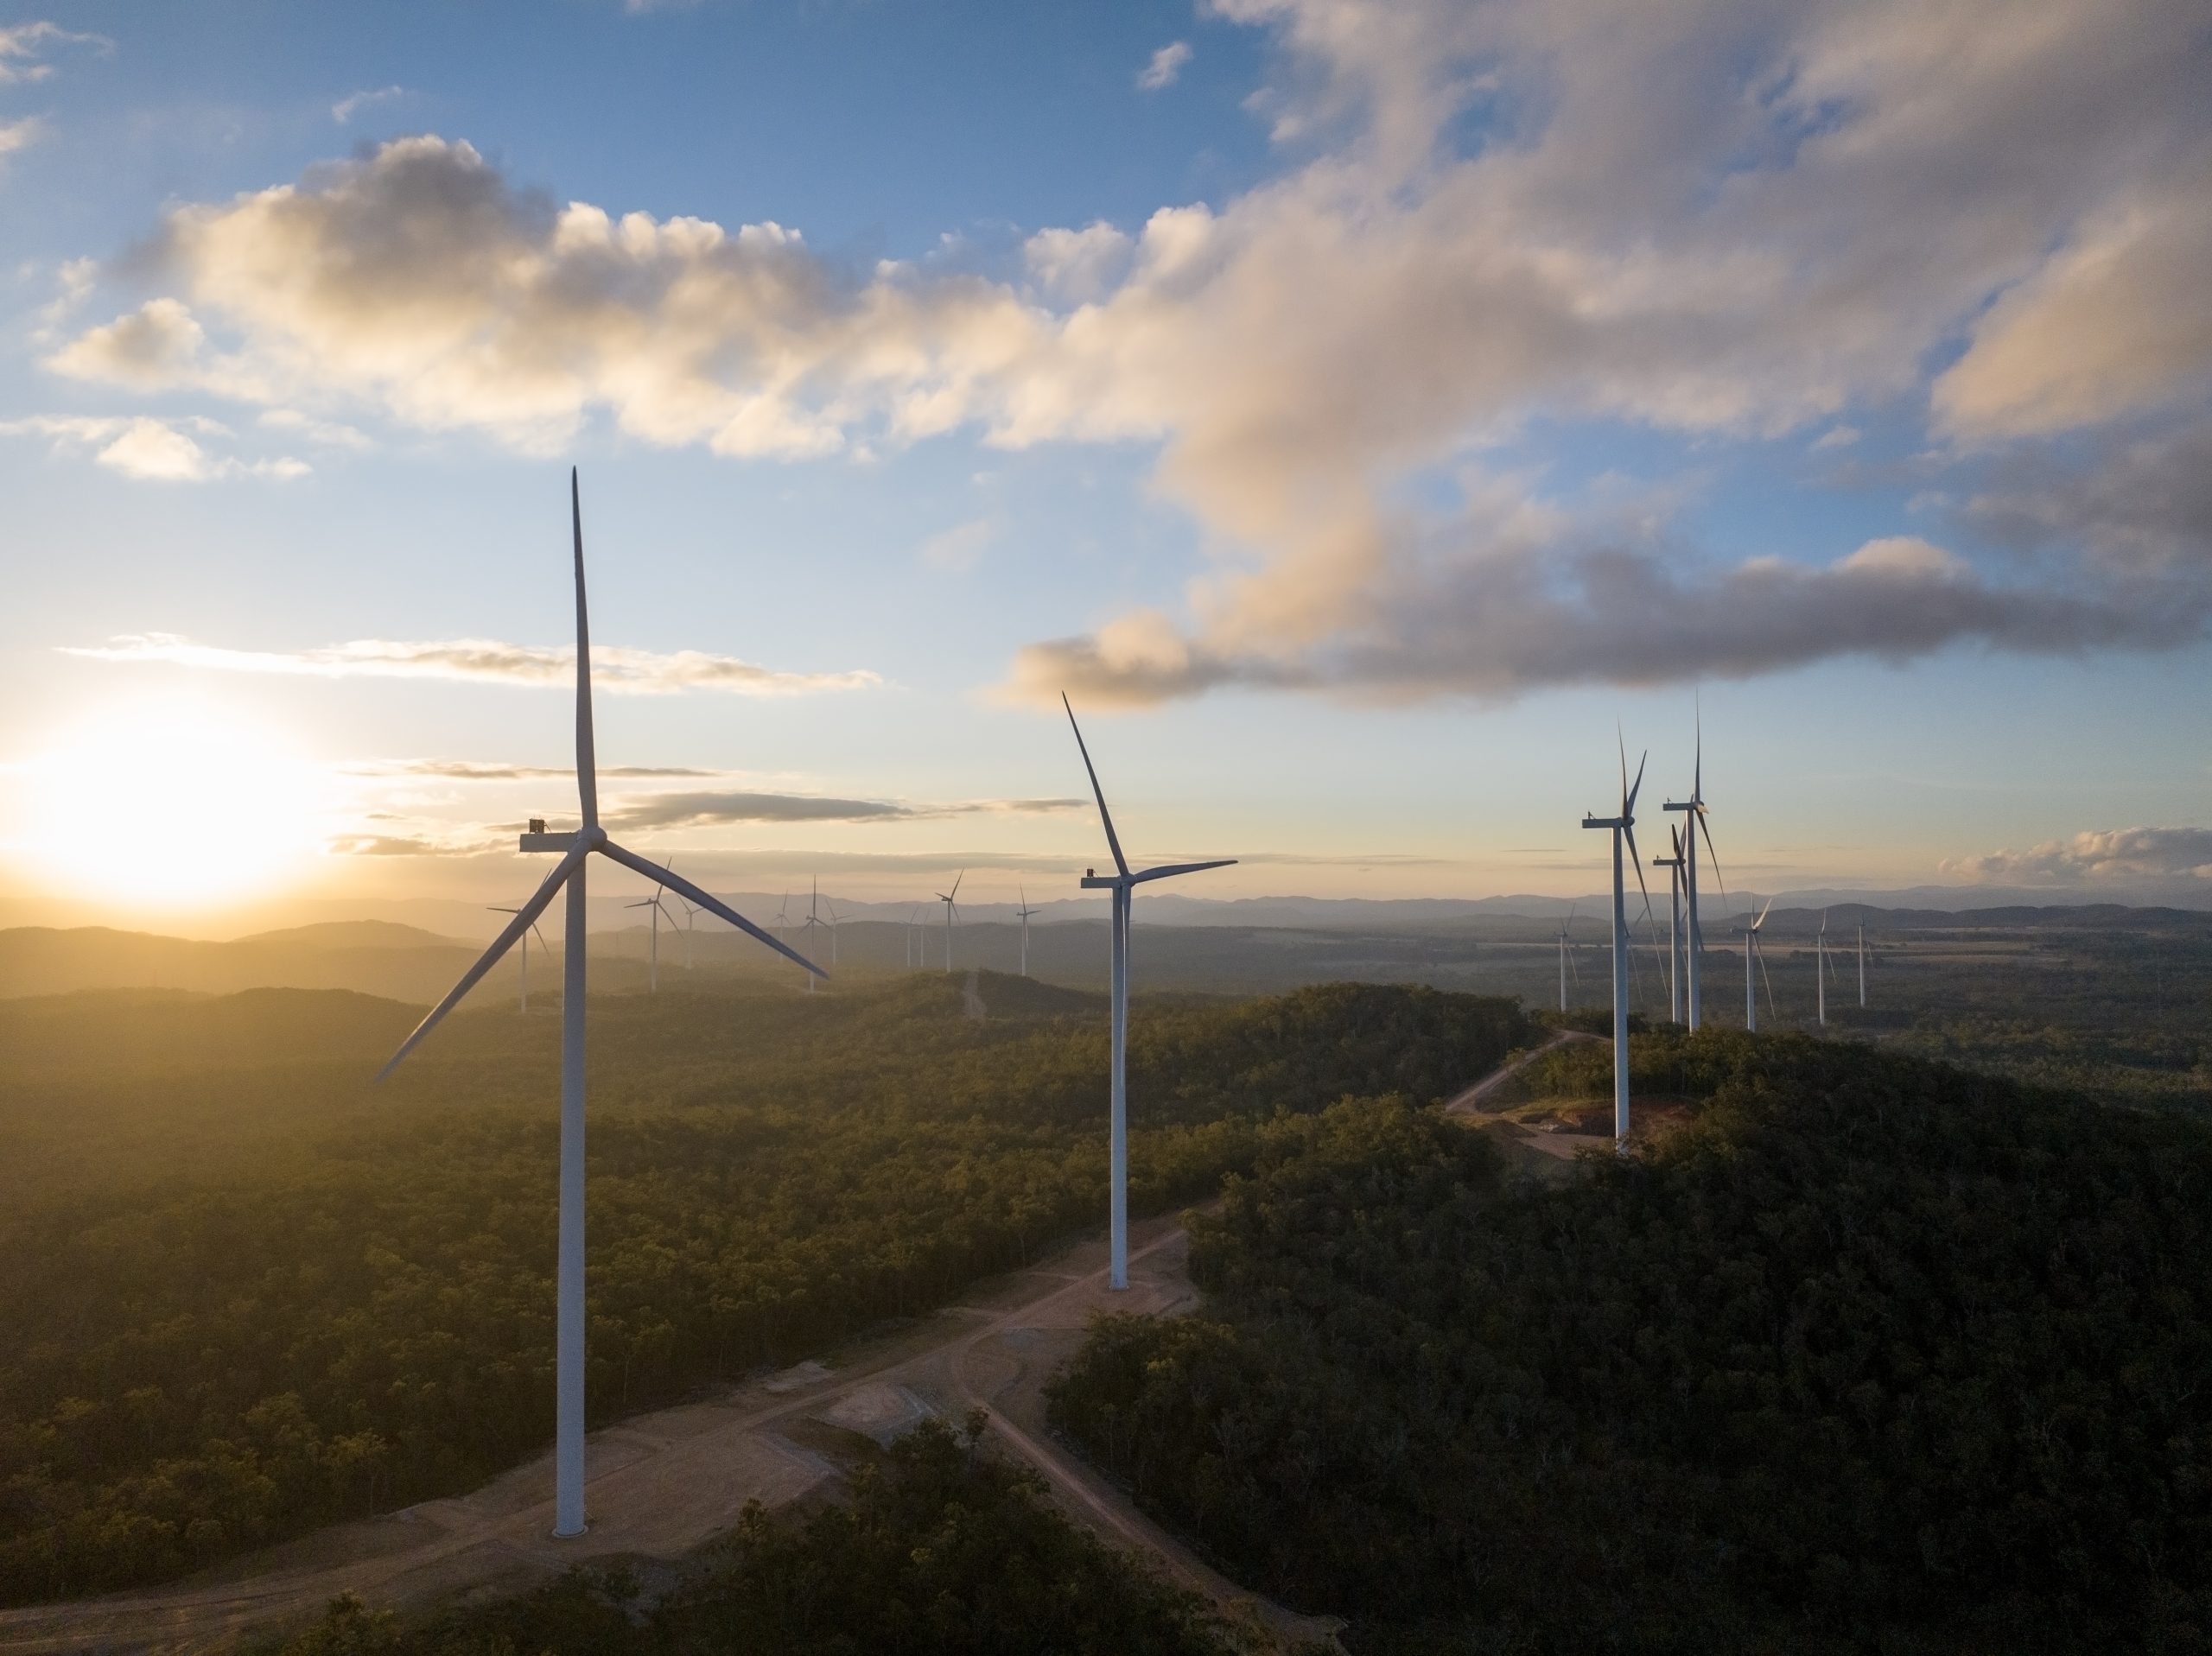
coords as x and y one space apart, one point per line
1470 1102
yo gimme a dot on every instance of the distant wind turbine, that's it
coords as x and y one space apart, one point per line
1567 958
1822 966
575 849
1122 884
911 929
1751 954
813 924
1862 966
951 913
691 914
830 903
1674 867
1694 824
652 968
1623 830
1023 914
496 908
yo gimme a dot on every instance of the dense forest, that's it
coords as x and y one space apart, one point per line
1869 1353
941 1550
254 1294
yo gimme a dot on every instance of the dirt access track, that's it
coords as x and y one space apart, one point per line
660 1484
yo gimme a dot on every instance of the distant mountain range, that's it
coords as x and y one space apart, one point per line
405 962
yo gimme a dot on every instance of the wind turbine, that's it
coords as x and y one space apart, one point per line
1123 884
813 924
496 908
1567 958
1751 953
1674 867
832 902
946 897
568 873
1693 825
911 930
652 970
1862 966
1822 966
691 914
1624 829
1023 914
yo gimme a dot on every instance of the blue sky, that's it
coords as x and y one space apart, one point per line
1359 418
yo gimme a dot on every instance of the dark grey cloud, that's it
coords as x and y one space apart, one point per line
2143 504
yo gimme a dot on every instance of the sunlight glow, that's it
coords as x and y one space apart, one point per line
169 804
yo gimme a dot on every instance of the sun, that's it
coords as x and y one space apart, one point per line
171 804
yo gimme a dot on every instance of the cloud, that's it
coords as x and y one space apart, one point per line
675 811
400 845
2143 504
1166 63
419 280
2120 320
2099 854
353 103
958 549
22 46
622 671
329 433
20 135
1729 222
479 771
138 446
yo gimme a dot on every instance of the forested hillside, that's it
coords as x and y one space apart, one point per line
266 1295
1869 1354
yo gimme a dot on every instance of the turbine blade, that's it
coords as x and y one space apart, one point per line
1720 879
957 879
1634 857
1113 840
1697 776
1168 870
587 762
506 939
1628 804
706 900
1761 920
1762 976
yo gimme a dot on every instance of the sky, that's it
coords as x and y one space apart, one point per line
1375 415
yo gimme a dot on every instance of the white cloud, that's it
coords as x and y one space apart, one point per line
20 135
958 549
623 671
138 446
329 433
24 46
1166 63
1723 221
353 103
2099 854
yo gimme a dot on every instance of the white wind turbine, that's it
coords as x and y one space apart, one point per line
1623 830
830 903
568 873
1122 884
1751 954
813 924
912 930
690 915
496 908
1674 867
1694 824
652 955
1567 958
1023 914
951 912
1822 966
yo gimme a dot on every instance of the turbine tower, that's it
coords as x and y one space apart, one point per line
946 897
1821 968
1692 825
1751 954
568 873
1567 958
1862 966
1674 867
690 915
496 908
1122 882
1624 829
652 969
1023 914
